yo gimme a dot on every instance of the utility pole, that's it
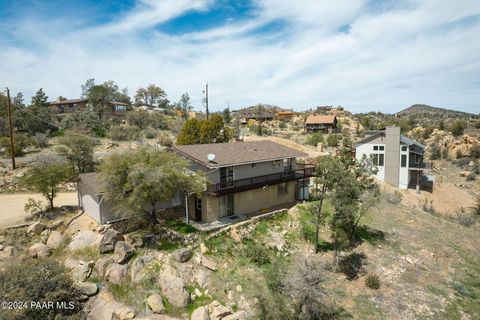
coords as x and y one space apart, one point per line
10 128
206 98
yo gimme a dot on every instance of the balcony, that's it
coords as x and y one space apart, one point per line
224 188
419 166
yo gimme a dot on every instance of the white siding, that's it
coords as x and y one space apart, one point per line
367 150
91 207
403 174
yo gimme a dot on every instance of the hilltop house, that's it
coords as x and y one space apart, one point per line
64 106
322 123
285 115
245 178
399 160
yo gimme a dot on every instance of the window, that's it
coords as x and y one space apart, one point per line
404 148
381 157
375 148
120 108
254 165
404 160
282 188
381 148
276 163
199 204
226 206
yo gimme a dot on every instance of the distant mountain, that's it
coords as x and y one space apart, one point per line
419 111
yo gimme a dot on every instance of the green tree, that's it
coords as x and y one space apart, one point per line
84 121
227 117
314 139
190 132
328 171
20 143
47 175
87 87
151 96
185 105
139 180
214 130
40 99
78 149
333 140
457 127
99 96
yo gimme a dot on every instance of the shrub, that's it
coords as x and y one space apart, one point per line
475 151
20 141
471 176
257 253
461 161
41 140
150 133
445 155
314 139
393 197
457 127
124 133
164 140
372 281
282 124
333 140
458 154
465 219
435 152
41 281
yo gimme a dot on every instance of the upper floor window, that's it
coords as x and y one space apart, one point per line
404 160
404 148
375 148
381 148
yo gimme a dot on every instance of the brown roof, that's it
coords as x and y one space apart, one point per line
68 101
91 181
119 103
285 113
312 119
237 152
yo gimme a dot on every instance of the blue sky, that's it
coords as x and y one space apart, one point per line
362 54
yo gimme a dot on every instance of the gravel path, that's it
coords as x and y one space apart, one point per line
12 205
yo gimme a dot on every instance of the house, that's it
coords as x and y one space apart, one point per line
244 178
322 123
285 115
399 160
64 106
91 191
117 110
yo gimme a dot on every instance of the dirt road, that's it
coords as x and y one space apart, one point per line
12 205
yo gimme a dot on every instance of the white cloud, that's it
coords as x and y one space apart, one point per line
414 52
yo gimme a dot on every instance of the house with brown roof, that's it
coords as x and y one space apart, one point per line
284 115
245 178
64 106
322 123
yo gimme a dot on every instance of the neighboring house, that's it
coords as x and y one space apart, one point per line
245 178
64 106
399 160
117 110
285 115
91 199
325 124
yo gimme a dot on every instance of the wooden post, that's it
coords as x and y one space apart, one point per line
10 128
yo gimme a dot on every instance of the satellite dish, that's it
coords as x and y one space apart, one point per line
211 157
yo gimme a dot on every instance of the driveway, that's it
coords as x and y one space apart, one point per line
12 205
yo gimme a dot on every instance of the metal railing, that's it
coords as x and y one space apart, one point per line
224 188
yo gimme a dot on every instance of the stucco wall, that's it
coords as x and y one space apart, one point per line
392 155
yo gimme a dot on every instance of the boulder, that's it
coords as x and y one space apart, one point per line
7 253
173 287
57 224
201 313
55 240
39 250
2 239
104 308
102 264
35 228
240 315
208 263
137 268
155 303
203 248
182 255
44 236
82 271
236 235
108 241
116 273
217 311
2 247
86 288
123 252
84 239
71 263
203 276
123 313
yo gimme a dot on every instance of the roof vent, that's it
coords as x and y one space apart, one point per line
210 157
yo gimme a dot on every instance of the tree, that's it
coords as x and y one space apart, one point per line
139 180
99 96
185 105
190 132
20 142
214 130
139 118
40 99
78 149
457 127
84 121
328 171
87 87
151 96
227 117
47 175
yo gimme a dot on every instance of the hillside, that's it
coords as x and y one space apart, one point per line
426 111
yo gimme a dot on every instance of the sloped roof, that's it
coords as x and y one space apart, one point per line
92 182
68 101
325 119
409 142
236 153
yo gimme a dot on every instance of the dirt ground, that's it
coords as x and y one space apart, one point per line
12 205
